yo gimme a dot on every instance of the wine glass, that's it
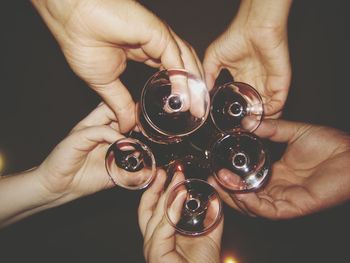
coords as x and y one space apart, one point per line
130 164
236 106
173 104
240 161
193 207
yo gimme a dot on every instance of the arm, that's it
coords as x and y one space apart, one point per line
75 168
22 195
272 14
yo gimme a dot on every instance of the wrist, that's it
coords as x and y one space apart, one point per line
269 15
54 190
21 195
55 14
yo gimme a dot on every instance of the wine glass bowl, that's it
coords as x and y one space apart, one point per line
236 106
130 164
173 104
193 207
240 162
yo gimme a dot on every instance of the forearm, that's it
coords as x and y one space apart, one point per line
22 195
265 14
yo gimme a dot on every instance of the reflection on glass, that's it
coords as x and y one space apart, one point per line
236 106
193 207
240 162
195 165
173 104
130 164
163 153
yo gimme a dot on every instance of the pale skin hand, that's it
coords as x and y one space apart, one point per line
97 38
254 48
75 168
161 242
312 175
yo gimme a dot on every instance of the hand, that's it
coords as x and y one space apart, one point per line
76 167
98 37
254 48
161 241
313 174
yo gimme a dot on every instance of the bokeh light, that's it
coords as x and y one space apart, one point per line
2 163
230 260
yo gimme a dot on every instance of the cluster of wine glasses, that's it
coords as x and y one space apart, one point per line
177 134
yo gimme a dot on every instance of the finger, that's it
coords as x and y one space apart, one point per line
160 208
188 57
193 90
216 234
281 130
176 55
163 238
150 199
199 63
139 55
224 195
273 107
274 116
213 212
86 139
114 125
163 241
277 90
162 46
258 206
117 96
101 115
152 63
175 206
212 67
230 180
230 198
245 210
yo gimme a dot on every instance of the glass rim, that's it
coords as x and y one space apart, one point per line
144 112
211 226
255 93
264 165
148 181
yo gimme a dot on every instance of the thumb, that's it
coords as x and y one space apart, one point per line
117 96
281 130
211 66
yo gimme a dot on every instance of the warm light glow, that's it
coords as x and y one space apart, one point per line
2 163
179 168
230 260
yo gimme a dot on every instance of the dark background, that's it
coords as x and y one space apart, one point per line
41 100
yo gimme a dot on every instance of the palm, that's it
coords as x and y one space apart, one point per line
92 175
258 57
77 171
205 249
311 175
301 182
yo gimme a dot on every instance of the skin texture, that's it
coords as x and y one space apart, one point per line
98 37
312 175
161 241
254 48
74 168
